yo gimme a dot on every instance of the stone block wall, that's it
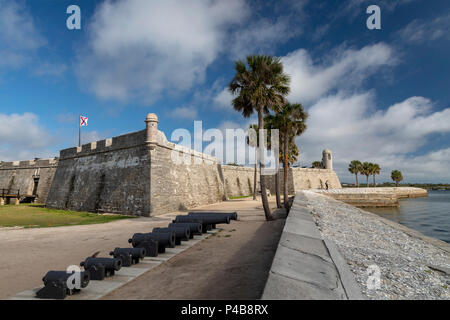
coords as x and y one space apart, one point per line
128 175
239 180
181 185
143 174
21 175
111 175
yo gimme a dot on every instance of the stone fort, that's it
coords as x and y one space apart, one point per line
134 174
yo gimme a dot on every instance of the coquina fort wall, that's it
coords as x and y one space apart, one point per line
239 180
31 178
143 174
135 174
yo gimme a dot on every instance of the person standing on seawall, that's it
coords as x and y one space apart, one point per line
326 185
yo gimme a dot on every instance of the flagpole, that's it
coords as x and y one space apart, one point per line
79 130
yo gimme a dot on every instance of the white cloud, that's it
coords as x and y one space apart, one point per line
419 31
345 118
184 113
354 8
147 48
353 128
262 36
90 136
348 69
310 80
222 101
22 137
18 34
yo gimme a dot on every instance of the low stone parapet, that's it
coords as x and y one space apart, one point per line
306 266
373 197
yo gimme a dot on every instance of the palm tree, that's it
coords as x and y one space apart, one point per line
255 144
292 123
293 152
317 164
272 122
260 85
396 175
355 168
366 169
375 170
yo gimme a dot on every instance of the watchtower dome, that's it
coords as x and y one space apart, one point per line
327 159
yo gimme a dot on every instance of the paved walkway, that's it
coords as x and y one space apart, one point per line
27 254
234 264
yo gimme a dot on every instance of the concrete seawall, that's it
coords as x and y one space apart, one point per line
327 245
307 266
374 197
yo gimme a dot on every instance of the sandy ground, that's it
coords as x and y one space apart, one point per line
234 264
27 254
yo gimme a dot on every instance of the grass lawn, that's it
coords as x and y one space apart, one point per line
37 216
240 197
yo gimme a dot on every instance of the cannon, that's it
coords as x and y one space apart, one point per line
194 227
99 268
205 222
134 254
214 217
56 286
151 247
233 215
164 240
182 233
125 257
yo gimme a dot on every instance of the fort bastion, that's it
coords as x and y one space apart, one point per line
135 174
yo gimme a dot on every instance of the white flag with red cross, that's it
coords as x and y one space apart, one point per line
83 121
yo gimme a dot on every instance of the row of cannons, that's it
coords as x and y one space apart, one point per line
60 284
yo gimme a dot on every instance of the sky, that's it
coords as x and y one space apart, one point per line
373 95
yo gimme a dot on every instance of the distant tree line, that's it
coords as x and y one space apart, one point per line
371 169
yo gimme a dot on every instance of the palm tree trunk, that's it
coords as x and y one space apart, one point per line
367 181
374 183
357 183
255 174
277 180
285 169
262 179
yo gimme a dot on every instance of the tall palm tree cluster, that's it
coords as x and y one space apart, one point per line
366 168
260 85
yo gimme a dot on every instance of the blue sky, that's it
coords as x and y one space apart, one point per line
373 95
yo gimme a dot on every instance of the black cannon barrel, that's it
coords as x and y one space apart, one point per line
53 276
108 263
151 247
206 223
181 233
164 239
214 218
99 268
195 228
233 215
135 252
126 257
185 230
56 286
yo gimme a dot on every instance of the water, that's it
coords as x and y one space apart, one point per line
430 216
